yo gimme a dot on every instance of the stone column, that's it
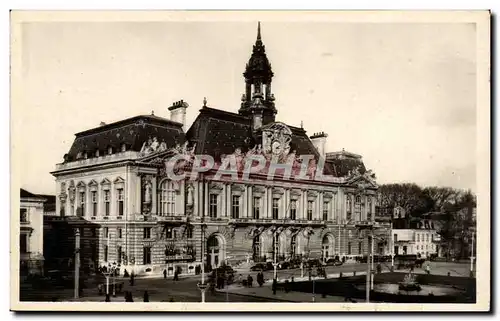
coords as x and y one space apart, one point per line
206 211
250 202
228 200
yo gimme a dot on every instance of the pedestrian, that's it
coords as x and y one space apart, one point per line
379 268
146 296
132 277
428 268
129 297
107 298
125 273
249 280
165 274
274 286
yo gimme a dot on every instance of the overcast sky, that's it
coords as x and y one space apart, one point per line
401 95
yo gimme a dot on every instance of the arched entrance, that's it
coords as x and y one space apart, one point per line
215 251
256 249
327 247
294 246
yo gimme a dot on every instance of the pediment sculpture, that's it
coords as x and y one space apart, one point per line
152 145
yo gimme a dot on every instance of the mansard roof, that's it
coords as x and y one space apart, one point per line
345 162
131 132
217 132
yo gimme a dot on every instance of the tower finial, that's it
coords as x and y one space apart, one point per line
258 32
204 101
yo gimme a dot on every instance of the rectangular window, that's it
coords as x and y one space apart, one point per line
119 254
235 207
395 237
147 233
293 209
24 215
360 247
418 237
326 210
256 207
189 232
349 248
119 233
276 208
146 255
213 205
93 195
106 232
168 199
310 210
169 233
106 202
23 243
427 237
105 253
120 201
82 203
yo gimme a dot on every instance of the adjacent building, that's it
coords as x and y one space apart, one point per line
115 190
31 233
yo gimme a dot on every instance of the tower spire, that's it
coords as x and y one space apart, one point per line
258 32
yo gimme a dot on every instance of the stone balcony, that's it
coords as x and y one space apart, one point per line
105 159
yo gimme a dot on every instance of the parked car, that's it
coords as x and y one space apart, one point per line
334 262
259 267
314 262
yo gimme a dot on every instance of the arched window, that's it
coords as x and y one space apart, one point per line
168 194
357 208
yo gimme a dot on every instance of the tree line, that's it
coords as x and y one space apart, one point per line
452 211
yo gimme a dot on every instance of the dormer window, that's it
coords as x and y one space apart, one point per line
124 147
97 153
110 150
85 155
79 155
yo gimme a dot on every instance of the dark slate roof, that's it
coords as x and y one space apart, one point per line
50 203
343 162
132 132
25 193
217 132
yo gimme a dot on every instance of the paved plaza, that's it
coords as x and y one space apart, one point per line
186 290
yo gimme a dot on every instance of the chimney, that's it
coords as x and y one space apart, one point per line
178 113
319 141
102 124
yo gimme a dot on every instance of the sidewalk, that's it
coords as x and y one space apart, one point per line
266 292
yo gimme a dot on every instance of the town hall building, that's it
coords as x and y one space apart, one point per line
115 179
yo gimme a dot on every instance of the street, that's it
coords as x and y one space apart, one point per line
186 290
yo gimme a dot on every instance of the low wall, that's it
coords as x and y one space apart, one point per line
347 287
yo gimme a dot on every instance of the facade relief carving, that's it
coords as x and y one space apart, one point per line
151 146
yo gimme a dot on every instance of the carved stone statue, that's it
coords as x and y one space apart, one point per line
154 144
147 192
190 197
163 146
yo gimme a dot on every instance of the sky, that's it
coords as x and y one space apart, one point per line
403 95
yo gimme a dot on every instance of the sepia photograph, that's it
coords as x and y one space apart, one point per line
250 161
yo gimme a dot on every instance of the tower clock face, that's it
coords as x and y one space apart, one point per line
276 148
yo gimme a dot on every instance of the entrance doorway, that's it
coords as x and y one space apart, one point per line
215 251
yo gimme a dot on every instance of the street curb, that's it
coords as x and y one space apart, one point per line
255 296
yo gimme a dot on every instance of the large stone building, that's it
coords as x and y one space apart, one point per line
116 178
31 233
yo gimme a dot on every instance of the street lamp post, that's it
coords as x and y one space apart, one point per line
110 272
77 263
392 248
275 263
472 256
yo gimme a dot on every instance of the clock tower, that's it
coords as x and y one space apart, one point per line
258 100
